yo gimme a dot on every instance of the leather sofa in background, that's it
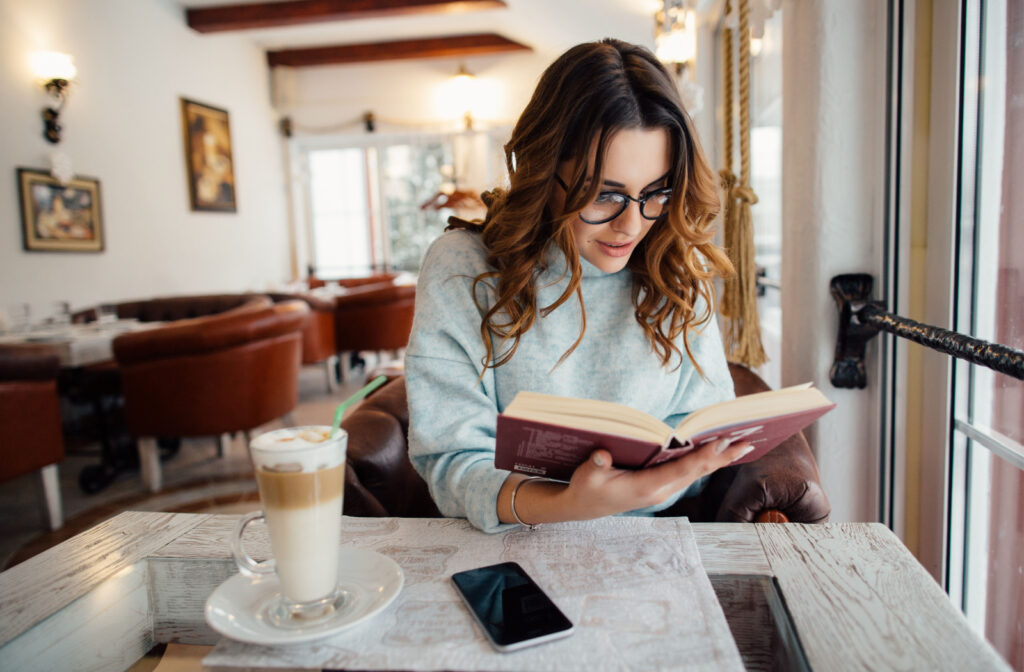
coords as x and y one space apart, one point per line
210 376
30 424
782 486
172 308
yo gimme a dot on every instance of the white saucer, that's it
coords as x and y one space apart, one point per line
235 609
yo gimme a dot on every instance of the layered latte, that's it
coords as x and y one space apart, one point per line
301 477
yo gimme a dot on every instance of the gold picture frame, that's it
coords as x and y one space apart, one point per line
58 217
208 156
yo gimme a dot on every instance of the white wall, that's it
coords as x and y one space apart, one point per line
834 63
122 125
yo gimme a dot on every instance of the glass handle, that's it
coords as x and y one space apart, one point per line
246 565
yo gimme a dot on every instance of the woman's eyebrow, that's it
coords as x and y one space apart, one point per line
613 183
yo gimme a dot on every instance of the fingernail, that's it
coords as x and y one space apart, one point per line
743 453
598 460
722 445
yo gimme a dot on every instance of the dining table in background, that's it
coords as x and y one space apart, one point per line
78 345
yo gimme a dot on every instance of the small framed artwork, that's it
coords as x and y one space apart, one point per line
59 217
211 170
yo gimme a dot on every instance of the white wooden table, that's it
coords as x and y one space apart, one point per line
80 344
99 601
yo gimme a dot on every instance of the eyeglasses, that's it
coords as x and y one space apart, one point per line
610 204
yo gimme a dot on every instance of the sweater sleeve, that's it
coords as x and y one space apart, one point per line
452 410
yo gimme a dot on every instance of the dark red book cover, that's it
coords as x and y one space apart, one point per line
554 451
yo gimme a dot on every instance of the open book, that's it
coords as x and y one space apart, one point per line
550 436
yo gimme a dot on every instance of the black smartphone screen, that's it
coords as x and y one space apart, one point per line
512 610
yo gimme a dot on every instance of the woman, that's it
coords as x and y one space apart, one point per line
589 277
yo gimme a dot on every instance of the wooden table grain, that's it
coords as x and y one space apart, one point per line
99 601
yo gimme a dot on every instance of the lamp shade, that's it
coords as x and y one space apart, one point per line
678 44
51 65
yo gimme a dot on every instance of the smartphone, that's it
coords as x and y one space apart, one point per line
510 607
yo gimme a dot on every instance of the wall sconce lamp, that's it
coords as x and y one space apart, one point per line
55 72
675 34
463 91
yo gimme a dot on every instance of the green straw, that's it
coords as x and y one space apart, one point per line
369 387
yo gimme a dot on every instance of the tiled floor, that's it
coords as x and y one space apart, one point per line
195 479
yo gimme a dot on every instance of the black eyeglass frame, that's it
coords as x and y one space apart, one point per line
642 201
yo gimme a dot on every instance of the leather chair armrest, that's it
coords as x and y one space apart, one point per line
28 362
378 454
214 332
785 480
358 500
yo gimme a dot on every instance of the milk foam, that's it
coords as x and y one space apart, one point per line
296 449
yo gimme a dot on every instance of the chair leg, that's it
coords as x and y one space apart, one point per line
51 496
345 373
248 439
331 366
149 463
223 444
288 419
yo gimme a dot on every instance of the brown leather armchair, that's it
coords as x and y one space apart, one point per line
318 339
210 376
30 424
374 317
782 486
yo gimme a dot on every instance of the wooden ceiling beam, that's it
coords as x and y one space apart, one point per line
431 47
243 16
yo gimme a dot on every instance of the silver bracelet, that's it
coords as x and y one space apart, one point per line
512 502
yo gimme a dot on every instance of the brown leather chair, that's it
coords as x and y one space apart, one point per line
374 317
782 486
210 376
30 424
318 339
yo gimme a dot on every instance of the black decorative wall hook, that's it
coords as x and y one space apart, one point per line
851 293
58 90
860 319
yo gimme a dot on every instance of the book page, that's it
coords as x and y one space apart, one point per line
589 414
762 405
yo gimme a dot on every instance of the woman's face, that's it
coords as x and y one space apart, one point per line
638 162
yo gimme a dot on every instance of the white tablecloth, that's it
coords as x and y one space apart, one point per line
634 587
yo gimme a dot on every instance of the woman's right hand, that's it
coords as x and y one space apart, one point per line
598 489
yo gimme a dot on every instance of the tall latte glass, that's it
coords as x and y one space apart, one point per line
301 477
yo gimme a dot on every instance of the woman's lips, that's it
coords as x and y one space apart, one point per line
616 249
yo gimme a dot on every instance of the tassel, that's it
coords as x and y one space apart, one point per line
741 331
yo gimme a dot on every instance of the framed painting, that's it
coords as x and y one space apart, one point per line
211 171
59 217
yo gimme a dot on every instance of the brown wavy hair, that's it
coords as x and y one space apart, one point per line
586 96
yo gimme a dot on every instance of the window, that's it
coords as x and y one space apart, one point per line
986 547
410 176
766 180
365 195
339 207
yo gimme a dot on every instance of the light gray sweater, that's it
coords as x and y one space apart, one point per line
452 418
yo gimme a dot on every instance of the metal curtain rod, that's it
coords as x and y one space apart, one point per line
860 319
